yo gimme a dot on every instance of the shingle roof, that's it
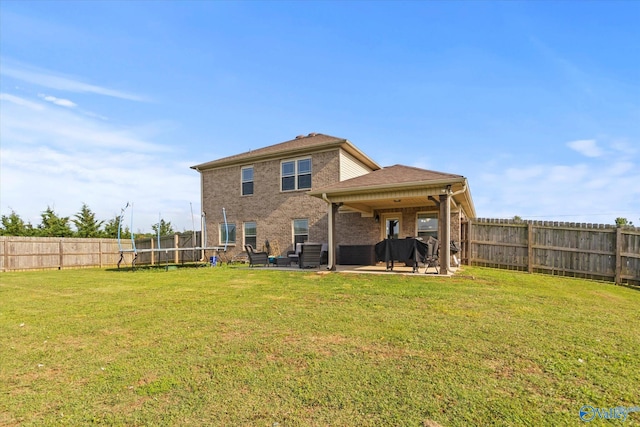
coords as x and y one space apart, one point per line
301 143
392 175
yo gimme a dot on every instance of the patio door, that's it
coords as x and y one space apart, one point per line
390 226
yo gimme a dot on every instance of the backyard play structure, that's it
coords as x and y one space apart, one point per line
202 248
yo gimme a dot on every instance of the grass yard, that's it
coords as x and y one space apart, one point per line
238 347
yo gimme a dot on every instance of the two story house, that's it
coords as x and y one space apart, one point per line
320 188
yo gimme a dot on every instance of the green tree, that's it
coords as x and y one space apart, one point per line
13 225
53 225
621 222
86 223
165 228
111 229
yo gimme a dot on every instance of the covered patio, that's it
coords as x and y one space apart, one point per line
382 192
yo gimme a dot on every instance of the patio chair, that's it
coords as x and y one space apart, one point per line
256 258
431 258
454 248
294 256
324 254
310 255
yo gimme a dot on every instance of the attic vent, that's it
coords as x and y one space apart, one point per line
312 134
299 136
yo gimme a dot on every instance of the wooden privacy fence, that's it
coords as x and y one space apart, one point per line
33 253
592 251
39 253
179 240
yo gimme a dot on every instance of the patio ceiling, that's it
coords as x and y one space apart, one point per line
368 203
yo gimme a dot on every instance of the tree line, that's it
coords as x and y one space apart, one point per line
85 223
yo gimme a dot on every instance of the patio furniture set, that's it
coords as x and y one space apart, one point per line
410 251
306 255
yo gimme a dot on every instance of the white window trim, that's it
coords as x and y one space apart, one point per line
383 223
293 229
295 173
221 240
244 233
242 180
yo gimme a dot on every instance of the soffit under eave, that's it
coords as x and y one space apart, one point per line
385 195
397 199
368 208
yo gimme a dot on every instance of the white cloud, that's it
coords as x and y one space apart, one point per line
586 147
53 80
58 101
623 146
62 158
65 129
20 101
595 192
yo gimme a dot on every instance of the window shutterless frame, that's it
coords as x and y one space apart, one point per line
231 235
246 180
427 224
300 231
295 174
250 234
390 225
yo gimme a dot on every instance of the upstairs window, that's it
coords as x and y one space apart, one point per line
247 181
296 174
427 225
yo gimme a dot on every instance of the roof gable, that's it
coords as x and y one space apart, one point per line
302 144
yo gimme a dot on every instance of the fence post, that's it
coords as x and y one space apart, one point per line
153 253
176 245
618 278
5 263
529 248
61 252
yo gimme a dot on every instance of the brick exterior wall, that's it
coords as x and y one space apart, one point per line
272 210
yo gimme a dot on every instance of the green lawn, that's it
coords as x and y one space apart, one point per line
232 346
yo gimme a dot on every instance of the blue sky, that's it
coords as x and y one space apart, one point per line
104 103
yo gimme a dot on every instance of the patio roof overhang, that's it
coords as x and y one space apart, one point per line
371 198
398 187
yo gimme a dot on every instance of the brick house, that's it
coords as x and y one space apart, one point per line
320 188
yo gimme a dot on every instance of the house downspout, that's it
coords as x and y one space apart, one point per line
331 258
203 219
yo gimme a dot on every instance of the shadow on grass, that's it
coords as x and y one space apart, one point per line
161 267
